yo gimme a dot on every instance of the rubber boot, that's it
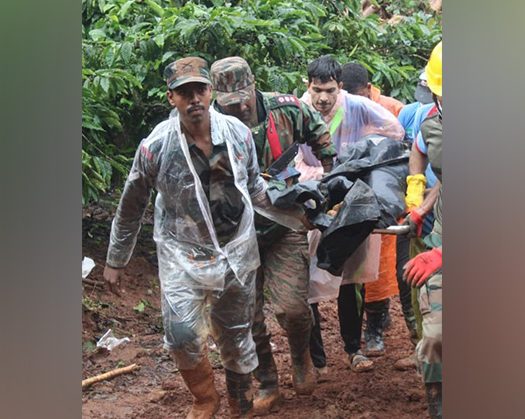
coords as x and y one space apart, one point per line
434 399
405 364
200 383
268 397
412 328
240 394
304 377
298 331
376 313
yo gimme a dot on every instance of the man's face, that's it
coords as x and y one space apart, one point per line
192 100
324 95
245 110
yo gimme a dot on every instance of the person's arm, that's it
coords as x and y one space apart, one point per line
416 180
316 135
307 172
128 217
430 199
416 216
292 218
418 159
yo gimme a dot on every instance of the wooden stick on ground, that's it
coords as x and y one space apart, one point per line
110 374
92 282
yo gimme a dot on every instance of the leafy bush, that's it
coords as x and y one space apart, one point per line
127 43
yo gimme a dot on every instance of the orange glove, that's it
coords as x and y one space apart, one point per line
419 269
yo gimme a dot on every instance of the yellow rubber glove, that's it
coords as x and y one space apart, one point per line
416 185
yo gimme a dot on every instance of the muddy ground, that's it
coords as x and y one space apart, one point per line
156 390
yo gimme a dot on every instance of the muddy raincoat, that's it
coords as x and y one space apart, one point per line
189 254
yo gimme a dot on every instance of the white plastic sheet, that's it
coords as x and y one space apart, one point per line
109 341
87 266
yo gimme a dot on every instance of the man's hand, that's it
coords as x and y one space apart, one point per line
328 164
419 269
306 222
415 220
335 209
112 277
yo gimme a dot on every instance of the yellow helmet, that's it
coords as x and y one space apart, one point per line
434 71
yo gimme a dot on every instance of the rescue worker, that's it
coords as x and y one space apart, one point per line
350 118
424 270
204 167
419 203
377 299
356 82
276 121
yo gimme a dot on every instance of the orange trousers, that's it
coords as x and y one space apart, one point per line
386 285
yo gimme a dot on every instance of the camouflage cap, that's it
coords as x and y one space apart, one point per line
232 80
186 70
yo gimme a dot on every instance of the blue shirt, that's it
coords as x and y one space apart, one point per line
407 116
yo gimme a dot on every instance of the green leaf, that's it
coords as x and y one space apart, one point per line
104 83
139 308
97 34
110 56
158 10
159 40
89 125
126 51
167 55
125 7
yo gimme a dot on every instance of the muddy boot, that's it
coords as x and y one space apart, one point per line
387 322
405 364
200 383
433 391
240 394
412 328
304 377
268 397
410 320
376 313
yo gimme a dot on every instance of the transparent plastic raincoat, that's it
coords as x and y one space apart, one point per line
189 254
352 118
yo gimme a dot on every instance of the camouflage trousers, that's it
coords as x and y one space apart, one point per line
226 315
285 273
416 247
429 348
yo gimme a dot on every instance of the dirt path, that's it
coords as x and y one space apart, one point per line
157 390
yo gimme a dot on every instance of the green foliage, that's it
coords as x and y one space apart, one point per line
127 43
141 306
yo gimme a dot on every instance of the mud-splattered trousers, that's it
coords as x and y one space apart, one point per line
227 315
285 272
429 348
206 271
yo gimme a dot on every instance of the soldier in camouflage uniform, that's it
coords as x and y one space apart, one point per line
424 270
276 122
204 166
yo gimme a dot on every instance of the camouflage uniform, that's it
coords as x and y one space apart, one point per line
204 231
430 295
284 253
